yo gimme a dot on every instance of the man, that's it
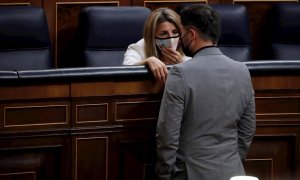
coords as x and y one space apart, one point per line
207 116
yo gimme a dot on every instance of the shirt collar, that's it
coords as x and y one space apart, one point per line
202 49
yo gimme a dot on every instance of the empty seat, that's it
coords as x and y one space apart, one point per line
24 39
235 39
286 31
106 32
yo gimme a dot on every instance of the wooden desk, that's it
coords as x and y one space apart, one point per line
99 123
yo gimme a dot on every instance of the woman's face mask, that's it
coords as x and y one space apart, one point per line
170 42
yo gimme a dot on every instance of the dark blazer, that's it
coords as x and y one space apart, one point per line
207 119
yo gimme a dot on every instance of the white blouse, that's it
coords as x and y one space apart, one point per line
136 53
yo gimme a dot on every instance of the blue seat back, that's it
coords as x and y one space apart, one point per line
24 39
286 31
106 32
235 39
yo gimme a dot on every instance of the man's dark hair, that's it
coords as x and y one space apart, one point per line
204 18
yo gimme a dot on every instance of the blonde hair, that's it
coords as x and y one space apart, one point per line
158 16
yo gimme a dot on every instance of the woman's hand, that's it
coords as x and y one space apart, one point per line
158 68
171 56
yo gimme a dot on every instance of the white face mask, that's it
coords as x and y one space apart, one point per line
171 42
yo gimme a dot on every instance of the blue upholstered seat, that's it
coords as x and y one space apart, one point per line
286 31
106 32
24 39
235 39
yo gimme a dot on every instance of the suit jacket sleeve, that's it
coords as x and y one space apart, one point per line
246 127
169 123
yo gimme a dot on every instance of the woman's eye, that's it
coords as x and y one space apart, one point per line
168 34
163 35
175 33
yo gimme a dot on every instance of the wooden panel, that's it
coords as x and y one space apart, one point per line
92 89
37 3
275 82
143 110
265 170
112 88
274 157
173 4
19 175
137 156
91 161
40 91
17 116
137 87
35 163
133 155
91 113
37 115
278 108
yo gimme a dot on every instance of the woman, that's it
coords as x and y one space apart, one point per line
159 47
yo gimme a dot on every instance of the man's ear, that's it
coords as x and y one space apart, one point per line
194 33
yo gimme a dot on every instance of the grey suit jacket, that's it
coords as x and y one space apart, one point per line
207 119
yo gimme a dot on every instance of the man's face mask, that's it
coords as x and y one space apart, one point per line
186 48
170 42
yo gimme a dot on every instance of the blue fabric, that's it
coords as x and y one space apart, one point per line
106 32
24 39
235 39
286 36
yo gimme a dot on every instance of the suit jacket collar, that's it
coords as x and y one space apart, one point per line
209 50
